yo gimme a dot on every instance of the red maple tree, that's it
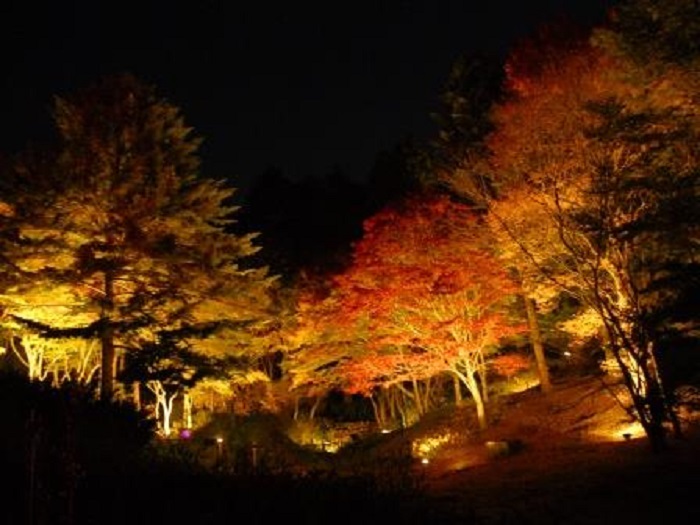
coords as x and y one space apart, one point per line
427 295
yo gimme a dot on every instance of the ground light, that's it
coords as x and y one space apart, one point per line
625 431
219 447
631 431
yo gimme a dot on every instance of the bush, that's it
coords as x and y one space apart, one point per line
58 439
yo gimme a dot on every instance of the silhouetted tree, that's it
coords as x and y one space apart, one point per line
307 224
397 173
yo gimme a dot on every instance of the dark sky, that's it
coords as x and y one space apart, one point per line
299 85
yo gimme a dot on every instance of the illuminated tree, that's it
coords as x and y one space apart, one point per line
525 135
169 364
316 343
591 157
120 221
538 143
60 360
427 295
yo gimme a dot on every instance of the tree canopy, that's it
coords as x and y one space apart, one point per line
117 235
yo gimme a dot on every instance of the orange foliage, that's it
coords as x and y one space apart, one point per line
427 293
542 156
541 129
508 365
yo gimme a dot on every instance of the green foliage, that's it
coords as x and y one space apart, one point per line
398 172
170 360
458 154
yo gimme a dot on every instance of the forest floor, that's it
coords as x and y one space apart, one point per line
562 458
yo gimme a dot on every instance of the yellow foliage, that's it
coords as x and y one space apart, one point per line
584 325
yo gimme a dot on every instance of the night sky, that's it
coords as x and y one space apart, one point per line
304 86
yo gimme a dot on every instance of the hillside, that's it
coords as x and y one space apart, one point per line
560 459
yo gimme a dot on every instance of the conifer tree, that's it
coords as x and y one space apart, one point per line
120 221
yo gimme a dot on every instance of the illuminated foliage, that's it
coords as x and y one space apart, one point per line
119 221
426 296
316 341
591 156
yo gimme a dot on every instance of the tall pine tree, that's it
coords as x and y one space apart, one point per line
120 224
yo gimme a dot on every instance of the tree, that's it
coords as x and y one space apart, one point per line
661 31
474 85
169 364
537 139
428 294
590 155
306 225
478 99
396 173
315 342
119 220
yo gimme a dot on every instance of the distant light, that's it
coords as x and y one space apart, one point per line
219 440
386 431
567 354
425 461
185 433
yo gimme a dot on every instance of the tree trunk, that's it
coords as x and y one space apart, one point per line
400 401
458 390
392 403
107 341
474 389
473 386
377 417
417 398
167 404
384 407
537 347
429 394
163 404
668 405
314 407
483 378
645 391
136 390
187 411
